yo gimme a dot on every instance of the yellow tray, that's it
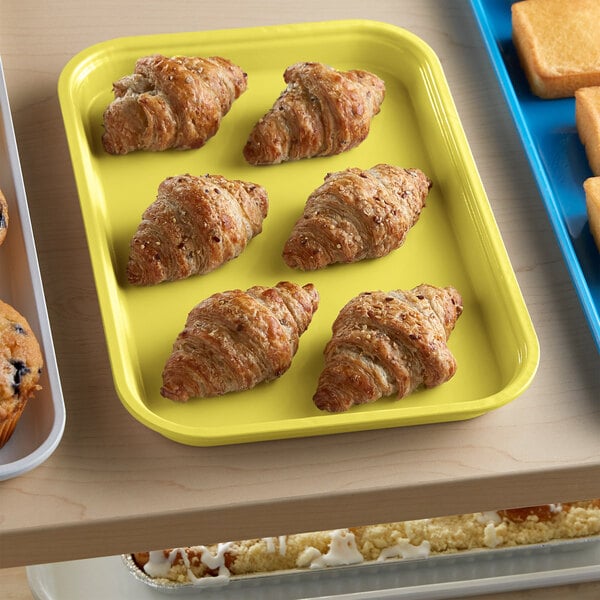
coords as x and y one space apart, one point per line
455 242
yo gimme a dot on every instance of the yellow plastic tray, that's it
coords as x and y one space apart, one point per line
456 241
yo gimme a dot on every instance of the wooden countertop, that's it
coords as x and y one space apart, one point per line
114 486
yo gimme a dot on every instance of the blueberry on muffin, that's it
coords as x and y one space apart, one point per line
3 217
20 368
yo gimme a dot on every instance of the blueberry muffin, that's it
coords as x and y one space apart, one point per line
3 217
20 368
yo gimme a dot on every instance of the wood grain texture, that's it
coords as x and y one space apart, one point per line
114 486
13 583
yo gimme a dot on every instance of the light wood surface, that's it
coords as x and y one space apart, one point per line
113 486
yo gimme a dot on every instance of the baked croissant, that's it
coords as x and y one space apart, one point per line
321 112
173 102
386 343
357 214
195 225
233 340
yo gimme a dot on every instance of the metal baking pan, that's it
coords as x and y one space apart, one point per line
459 575
556 155
41 426
456 241
463 573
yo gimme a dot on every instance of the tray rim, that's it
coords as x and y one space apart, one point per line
589 307
528 346
50 443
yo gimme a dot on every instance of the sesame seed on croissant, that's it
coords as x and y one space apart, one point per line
386 343
357 214
235 339
195 225
176 102
321 112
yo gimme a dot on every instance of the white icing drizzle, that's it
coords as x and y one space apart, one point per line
282 544
281 540
158 564
490 537
216 561
342 551
490 516
306 557
555 508
404 549
270 542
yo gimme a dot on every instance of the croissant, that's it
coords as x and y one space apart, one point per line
386 343
357 214
195 225
233 340
173 102
321 112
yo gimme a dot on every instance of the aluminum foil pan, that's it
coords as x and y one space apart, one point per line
212 583
391 573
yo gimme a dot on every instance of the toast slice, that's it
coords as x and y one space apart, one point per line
587 119
592 202
558 44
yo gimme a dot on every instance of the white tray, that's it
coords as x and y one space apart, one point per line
41 427
439 577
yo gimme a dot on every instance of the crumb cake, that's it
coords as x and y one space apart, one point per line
403 540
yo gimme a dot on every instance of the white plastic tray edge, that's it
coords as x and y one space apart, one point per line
439 577
36 314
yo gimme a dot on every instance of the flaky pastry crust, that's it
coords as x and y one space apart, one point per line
176 102
235 339
195 225
321 112
357 214
386 343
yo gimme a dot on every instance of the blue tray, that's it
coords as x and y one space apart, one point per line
557 157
